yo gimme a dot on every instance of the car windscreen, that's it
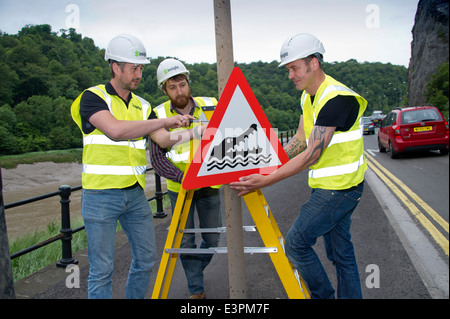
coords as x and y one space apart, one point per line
423 115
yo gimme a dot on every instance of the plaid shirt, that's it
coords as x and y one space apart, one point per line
161 164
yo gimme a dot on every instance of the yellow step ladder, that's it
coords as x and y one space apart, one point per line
264 223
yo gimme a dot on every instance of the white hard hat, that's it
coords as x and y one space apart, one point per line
300 46
168 69
126 48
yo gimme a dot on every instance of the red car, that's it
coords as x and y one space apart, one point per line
413 129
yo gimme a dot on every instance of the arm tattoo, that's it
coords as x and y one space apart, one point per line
319 140
295 147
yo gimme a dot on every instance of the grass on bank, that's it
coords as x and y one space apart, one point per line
34 261
28 264
61 156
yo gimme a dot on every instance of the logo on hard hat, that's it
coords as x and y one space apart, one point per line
137 53
171 69
285 54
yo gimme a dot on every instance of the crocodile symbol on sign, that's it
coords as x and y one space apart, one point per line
239 150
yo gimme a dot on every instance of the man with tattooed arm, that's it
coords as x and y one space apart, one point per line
329 142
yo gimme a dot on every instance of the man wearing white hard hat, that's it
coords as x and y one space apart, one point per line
115 124
173 79
329 142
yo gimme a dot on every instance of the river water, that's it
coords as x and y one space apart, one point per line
30 180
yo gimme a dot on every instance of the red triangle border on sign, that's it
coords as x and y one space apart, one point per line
191 179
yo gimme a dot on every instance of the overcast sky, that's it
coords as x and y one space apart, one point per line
365 30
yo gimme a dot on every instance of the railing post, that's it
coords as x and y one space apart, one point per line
159 198
66 231
6 276
282 138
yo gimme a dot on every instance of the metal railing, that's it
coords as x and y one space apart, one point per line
286 133
66 231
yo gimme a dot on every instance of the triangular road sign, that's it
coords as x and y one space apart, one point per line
239 140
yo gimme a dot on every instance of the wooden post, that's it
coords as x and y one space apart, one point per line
233 203
6 277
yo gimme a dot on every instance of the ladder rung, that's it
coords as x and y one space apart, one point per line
220 250
216 230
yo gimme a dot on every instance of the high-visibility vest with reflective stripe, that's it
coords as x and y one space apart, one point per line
109 163
342 164
178 155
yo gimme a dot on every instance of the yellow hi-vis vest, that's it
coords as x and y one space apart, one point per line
178 154
342 164
109 163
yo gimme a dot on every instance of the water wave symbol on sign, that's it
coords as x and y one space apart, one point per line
239 140
238 150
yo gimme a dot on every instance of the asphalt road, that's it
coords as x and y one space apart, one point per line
414 187
425 173
377 244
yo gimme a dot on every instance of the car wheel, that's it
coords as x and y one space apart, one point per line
394 154
380 147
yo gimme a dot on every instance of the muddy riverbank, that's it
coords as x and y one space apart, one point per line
30 180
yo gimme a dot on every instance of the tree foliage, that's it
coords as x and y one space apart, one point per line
44 71
437 89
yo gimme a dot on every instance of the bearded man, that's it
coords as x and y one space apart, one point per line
173 79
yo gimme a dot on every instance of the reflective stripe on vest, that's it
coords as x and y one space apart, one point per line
105 140
106 96
145 105
161 111
325 92
178 155
332 88
347 136
113 170
337 170
173 155
100 171
341 165
208 101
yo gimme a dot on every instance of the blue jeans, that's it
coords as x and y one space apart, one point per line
101 209
207 202
327 213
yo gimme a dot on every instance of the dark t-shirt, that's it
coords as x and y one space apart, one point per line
91 103
340 112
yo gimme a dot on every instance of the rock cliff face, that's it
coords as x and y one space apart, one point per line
429 48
